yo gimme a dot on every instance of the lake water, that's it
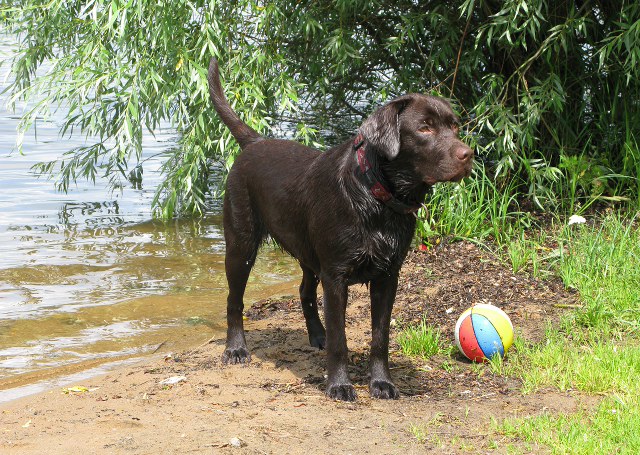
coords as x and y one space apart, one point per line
88 280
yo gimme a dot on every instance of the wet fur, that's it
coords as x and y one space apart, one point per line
315 208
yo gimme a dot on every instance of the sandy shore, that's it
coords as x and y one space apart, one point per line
277 404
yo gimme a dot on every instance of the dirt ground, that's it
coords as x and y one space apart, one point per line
277 404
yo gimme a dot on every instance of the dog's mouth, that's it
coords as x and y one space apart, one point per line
464 172
455 176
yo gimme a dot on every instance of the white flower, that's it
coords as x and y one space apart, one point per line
576 219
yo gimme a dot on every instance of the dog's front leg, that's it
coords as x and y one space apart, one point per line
383 294
335 304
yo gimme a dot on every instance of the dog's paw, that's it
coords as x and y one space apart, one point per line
384 390
236 355
318 341
341 392
317 334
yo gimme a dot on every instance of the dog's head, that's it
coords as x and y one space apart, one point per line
421 133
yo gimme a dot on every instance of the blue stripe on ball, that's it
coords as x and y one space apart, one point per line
487 336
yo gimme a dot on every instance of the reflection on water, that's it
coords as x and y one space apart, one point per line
86 277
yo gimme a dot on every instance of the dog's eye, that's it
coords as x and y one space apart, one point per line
426 129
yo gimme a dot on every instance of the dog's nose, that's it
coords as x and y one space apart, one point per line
464 153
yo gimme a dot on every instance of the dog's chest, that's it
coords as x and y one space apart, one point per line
378 251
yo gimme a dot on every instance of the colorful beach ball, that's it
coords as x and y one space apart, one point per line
483 331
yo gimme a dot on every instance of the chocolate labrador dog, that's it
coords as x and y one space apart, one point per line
346 214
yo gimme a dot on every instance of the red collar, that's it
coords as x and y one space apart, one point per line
373 179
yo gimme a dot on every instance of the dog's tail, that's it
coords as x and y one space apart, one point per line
243 133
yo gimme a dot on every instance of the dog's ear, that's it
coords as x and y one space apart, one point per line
382 128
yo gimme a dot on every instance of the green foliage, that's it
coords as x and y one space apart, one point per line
477 208
420 340
574 358
594 349
547 89
603 263
612 428
578 359
120 67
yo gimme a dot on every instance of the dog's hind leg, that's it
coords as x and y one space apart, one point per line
243 236
309 301
238 266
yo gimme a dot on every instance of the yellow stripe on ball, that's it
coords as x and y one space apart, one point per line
499 320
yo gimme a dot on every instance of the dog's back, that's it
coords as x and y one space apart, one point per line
267 176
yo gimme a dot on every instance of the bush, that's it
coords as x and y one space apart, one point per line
548 89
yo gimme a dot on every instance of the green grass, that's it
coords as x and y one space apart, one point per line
599 368
603 263
476 208
529 253
611 428
423 432
576 359
420 341
593 350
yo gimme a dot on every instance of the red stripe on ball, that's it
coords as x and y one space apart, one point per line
468 341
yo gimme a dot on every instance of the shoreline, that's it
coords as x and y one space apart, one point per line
54 381
175 338
277 402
